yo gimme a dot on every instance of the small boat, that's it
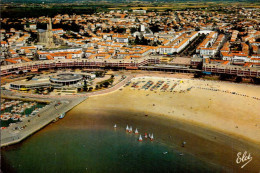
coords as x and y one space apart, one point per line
145 135
136 131
151 137
5 118
127 129
115 126
130 129
21 111
140 138
181 154
22 117
8 106
62 115
165 152
183 143
14 118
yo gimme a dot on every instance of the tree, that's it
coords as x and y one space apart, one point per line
106 84
111 82
36 90
154 28
85 82
133 30
85 88
99 74
137 40
29 77
168 10
50 89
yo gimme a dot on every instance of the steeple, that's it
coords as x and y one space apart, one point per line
49 35
50 25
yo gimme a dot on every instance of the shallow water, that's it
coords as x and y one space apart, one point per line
98 149
87 142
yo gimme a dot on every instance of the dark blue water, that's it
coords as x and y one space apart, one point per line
98 149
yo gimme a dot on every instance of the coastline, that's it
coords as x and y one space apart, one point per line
232 114
206 121
198 117
206 144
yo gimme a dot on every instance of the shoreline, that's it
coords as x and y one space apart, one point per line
204 143
191 120
232 125
199 126
199 115
118 88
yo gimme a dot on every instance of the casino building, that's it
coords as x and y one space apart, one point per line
57 81
66 79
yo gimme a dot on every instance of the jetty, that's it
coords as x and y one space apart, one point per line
17 132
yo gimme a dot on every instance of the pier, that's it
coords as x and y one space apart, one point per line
17 132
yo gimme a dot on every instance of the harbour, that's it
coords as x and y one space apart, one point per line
32 116
14 111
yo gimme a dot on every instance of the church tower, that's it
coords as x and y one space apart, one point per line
49 35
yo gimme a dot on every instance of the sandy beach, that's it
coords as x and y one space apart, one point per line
209 115
223 111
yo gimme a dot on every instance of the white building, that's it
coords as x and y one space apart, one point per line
139 11
165 50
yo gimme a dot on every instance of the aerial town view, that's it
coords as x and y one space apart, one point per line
130 86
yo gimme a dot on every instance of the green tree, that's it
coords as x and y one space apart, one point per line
106 84
137 40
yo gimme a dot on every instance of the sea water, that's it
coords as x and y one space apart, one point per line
97 149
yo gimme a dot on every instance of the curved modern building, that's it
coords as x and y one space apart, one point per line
66 78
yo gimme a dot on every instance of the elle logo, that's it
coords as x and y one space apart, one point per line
243 158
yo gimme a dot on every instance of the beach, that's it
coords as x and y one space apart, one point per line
216 122
226 112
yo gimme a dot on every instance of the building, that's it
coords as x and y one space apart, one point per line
46 36
66 79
